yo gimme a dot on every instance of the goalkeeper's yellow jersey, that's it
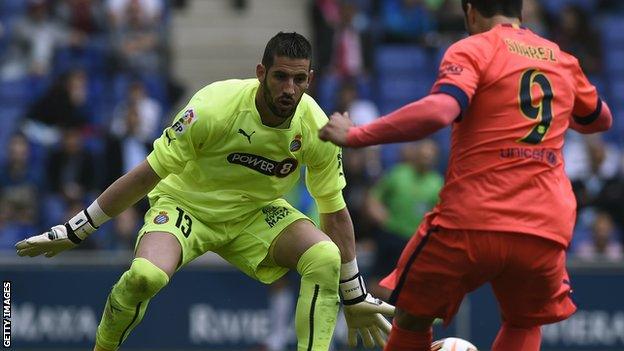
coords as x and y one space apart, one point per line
220 162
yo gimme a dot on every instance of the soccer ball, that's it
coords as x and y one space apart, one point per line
452 344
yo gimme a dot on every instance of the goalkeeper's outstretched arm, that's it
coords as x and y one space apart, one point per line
128 189
120 195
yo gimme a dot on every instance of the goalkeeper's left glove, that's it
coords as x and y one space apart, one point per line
65 236
363 313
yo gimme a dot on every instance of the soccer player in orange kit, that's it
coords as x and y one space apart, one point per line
506 210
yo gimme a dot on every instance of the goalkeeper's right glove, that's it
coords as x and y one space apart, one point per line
363 313
63 237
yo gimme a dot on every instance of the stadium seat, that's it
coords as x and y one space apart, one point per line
13 8
15 92
396 91
401 59
612 32
617 92
614 62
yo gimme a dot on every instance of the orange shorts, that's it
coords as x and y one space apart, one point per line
439 266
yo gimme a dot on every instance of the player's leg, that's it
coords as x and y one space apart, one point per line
434 272
156 259
532 291
311 252
410 332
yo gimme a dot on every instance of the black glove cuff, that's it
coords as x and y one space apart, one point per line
71 235
352 291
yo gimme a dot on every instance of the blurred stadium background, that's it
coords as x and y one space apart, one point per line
86 85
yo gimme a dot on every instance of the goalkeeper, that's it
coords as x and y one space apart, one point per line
215 182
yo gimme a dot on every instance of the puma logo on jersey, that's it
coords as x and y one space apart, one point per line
169 138
264 165
248 136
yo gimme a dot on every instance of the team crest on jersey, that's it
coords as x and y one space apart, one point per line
161 218
264 165
183 122
295 145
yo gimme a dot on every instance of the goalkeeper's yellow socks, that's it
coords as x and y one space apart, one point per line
318 303
128 301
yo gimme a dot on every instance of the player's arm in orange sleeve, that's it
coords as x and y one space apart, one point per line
411 122
598 121
450 97
590 114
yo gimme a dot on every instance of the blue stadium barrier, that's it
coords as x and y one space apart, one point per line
57 305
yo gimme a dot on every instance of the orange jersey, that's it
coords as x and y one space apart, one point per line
518 92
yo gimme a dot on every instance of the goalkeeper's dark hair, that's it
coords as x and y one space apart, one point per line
292 45
491 8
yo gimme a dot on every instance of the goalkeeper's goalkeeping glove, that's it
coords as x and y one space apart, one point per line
66 236
363 313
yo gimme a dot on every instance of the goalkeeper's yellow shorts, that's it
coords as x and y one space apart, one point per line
244 243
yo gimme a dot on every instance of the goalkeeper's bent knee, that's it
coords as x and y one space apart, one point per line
321 264
128 301
317 306
141 282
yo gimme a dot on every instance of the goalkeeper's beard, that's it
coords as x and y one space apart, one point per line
268 99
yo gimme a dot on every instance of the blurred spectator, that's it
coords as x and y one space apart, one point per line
342 38
20 168
399 201
325 18
82 17
612 198
126 225
15 223
70 168
360 110
63 105
122 12
602 166
352 47
533 17
603 244
357 168
598 185
406 21
148 114
450 19
34 40
136 35
126 150
574 34
611 6
20 184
